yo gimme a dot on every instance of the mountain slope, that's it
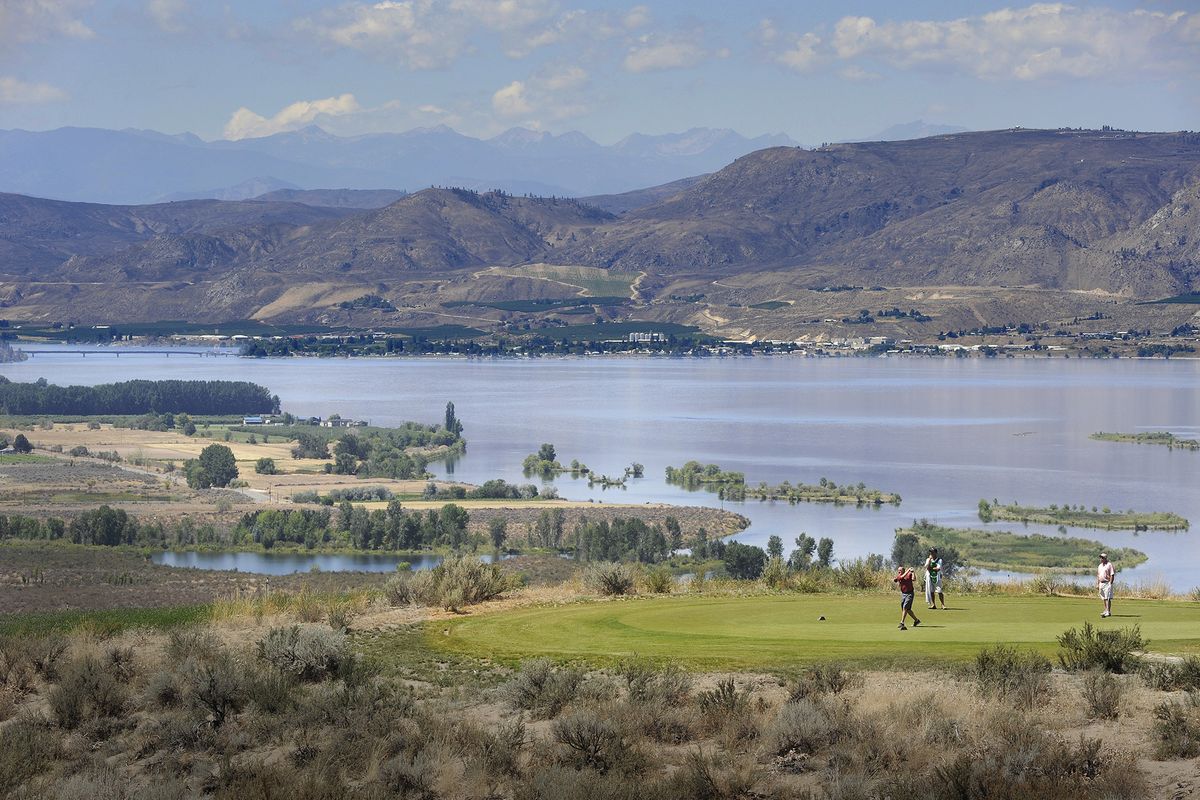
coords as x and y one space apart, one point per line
1023 207
1063 211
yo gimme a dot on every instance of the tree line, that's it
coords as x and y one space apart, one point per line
136 397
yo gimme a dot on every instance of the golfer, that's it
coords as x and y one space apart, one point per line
933 579
1105 575
904 577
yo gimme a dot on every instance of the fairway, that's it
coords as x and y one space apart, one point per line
778 632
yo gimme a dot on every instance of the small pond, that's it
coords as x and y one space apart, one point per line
287 563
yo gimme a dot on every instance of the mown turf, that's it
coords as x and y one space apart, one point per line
778 632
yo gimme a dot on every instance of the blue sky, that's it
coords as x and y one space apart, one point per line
818 71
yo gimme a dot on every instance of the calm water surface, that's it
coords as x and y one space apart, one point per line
942 432
287 563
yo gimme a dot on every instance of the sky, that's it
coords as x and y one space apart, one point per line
818 71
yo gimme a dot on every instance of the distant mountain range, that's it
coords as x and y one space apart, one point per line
138 166
1068 211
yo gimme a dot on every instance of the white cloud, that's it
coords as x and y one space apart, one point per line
637 17
17 92
512 100
432 34
801 55
34 20
1043 40
167 14
652 53
553 93
856 73
245 124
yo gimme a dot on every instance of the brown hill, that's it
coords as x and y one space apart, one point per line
1107 211
1042 208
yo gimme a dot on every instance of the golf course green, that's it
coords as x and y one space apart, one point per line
782 631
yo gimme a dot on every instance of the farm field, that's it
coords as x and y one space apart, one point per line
777 632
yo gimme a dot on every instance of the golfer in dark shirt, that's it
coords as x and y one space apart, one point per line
904 577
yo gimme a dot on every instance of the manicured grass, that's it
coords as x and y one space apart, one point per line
107 621
779 632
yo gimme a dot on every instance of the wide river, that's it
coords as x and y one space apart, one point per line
941 432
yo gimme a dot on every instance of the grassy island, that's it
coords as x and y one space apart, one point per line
732 486
1021 552
1080 517
1164 438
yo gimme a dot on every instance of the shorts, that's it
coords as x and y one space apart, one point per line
906 600
1106 591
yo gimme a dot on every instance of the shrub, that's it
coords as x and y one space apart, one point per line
1112 651
649 683
498 750
823 679
1018 676
265 466
87 691
610 578
1102 694
215 686
163 690
191 642
775 574
16 669
660 581
306 653
1020 760
723 699
804 726
859 573
78 451
1170 676
27 747
541 688
1177 729
45 653
456 582
596 743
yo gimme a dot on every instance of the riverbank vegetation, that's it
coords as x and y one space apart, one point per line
136 397
733 486
1163 438
1004 550
1080 517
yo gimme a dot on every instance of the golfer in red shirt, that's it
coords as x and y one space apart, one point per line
904 577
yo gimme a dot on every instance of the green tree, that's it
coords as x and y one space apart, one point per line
744 561
345 464
985 511
265 466
497 530
775 547
801 557
907 551
216 466
452 525
546 452
21 444
825 551
674 534
453 423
